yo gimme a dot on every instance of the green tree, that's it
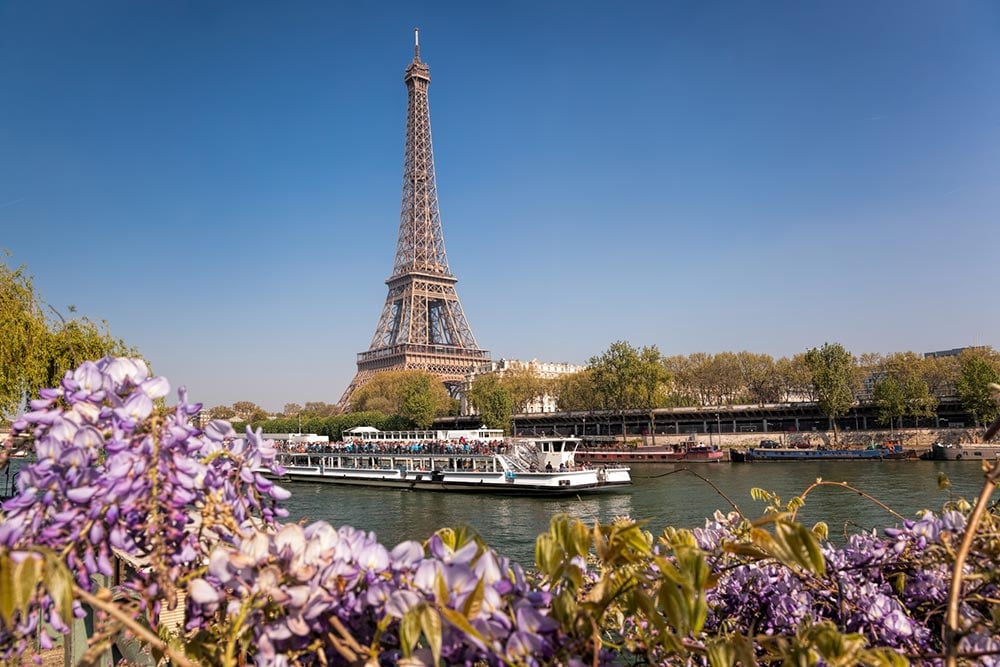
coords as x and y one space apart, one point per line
652 379
625 377
889 399
492 400
834 380
291 410
221 412
978 367
412 394
248 411
38 345
615 375
796 378
418 400
320 409
908 370
523 384
941 376
680 392
23 331
575 391
760 377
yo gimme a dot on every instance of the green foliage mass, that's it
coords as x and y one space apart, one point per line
415 395
833 378
38 344
978 367
627 377
493 400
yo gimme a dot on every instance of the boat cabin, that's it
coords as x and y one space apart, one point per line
554 453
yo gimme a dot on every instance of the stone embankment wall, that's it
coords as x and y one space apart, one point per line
910 438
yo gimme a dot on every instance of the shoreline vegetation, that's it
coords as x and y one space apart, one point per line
132 512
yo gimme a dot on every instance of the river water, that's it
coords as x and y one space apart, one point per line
663 495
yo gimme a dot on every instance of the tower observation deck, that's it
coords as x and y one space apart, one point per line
422 325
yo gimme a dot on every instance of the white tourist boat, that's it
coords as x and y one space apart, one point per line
526 466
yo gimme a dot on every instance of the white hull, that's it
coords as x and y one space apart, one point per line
523 483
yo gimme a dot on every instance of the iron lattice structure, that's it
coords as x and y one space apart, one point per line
422 325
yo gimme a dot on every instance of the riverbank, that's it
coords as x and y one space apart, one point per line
919 439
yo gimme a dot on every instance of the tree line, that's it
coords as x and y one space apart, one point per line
624 377
627 378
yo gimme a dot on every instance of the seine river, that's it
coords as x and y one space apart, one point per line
510 525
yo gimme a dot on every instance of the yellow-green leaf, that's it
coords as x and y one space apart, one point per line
7 603
474 603
409 630
59 583
430 623
26 575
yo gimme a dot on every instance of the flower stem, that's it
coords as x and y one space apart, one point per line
133 625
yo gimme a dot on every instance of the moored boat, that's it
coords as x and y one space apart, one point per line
876 453
969 451
528 466
698 453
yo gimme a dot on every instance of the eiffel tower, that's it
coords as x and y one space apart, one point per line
422 325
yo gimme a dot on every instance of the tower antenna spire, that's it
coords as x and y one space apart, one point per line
416 43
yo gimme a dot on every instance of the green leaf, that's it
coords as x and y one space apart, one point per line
441 590
720 653
886 657
430 623
462 623
409 630
942 481
7 597
474 603
26 576
821 529
59 583
548 555
448 538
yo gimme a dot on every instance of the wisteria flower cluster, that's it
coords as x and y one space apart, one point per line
293 587
113 472
889 588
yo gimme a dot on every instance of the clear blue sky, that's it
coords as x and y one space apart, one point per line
221 181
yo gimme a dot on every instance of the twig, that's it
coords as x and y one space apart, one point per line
133 625
845 485
717 490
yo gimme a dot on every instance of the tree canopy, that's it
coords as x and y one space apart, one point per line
900 389
417 395
492 400
627 377
38 344
978 368
833 377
